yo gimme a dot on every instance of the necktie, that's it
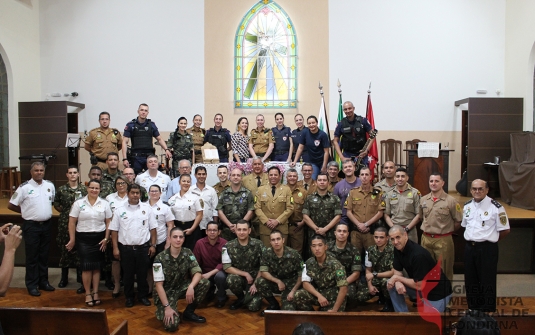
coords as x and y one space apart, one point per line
273 190
257 181
306 186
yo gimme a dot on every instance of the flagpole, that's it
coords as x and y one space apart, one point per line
326 119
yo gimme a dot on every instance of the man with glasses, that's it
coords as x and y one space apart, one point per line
486 223
307 182
184 167
350 134
153 177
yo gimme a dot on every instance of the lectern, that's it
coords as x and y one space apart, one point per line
420 168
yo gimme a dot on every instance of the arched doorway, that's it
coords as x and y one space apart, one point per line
4 125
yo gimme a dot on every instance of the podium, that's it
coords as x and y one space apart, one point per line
420 168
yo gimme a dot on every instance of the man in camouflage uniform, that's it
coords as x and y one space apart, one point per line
235 203
65 196
296 225
349 257
324 280
181 146
241 262
105 189
131 176
321 210
175 270
222 174
280 270
102 140
378 262
112 171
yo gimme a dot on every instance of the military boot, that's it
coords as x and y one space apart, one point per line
64 277
273 305
189 314
381 300
388 307
238 303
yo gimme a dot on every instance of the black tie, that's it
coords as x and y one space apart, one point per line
306 186
258 182
273 190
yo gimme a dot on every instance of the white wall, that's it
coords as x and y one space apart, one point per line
420 56
19 47
118 54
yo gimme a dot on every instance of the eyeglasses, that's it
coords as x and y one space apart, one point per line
211 230
477 189
183 167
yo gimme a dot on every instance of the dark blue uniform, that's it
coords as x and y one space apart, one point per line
352 135
315 144
141 135
296 139
282 143
220 139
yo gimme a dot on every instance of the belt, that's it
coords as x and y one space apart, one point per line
101 160
260 154
478 243
438 235
184 222
281 152
141 154
198 152
135 247
39 222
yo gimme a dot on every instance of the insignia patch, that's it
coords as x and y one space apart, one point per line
142 212
157 267
255 199
357 257
291 200
486 213
339 272
202 203
503 218
383 204
345 202
317 143
284 138
373 196
300 194
409 194
15 195
192 257
458 208
467 213
244 195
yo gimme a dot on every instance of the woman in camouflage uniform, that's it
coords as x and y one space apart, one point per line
181 143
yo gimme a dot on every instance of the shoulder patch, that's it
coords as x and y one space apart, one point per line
458 207
496 203
469 201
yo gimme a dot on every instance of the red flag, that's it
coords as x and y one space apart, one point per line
373 155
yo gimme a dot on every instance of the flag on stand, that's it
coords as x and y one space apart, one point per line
340 117
373 155
323 123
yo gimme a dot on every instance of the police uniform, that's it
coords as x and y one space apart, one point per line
438 224
261 140
182 146
350 258
250 182
296 139
63 200
133 224
332 183
198 141
234 206
352 135
219 188
141 135
185 209
364 206
282 137
286 268
296 239
244 258
309 187
322 209
402 207
35 201
378 262
162 214
483 221
221 140
103 141
209 198
176 275
326 279
278 206
145 180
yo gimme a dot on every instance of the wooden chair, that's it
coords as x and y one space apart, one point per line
9 180
409 145
390 151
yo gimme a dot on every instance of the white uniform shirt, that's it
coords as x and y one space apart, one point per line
162 214
133 223
484 220
35 200
144 179
115 200
174 187
185 208
209 197
91 219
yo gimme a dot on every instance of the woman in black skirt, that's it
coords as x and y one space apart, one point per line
88 230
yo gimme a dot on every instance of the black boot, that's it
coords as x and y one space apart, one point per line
78 275
381 300
189 314
238 303
273 305
109 283
388 307
64 277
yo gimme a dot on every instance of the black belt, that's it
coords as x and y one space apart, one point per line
135 247
39 222
260 154
474 243
184 222
141 154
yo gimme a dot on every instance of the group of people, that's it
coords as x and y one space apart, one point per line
321 241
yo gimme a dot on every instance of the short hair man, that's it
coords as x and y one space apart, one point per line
102 140
332 172
307 182
131 176
11 235
280 269
324 280
342 188
111 172
224 182
153 177
419 266
184 167
33 199
387 183
296 225
350 134
208 196
252 182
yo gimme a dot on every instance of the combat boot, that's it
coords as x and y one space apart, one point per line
238 303
388 307
64 277
381 300
273 305
189 314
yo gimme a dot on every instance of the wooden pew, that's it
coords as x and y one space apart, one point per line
284 322
57 321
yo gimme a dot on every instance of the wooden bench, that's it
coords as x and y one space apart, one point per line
284 322
60 321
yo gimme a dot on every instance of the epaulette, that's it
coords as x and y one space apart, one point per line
26 182
224 129
197 194
266 130
211 129
495 203
115 131
469 201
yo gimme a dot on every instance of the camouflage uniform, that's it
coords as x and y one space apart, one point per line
286 268
178 273
349 257
106 189
235 206
198 141
182 146
322 209
326 280
245 258
63 200
110 178
379 262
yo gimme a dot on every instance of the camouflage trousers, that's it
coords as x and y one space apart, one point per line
68 259
227 234
266 288
174 295
363 293
305 300
239 286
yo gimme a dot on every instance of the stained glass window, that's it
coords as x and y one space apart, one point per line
265 62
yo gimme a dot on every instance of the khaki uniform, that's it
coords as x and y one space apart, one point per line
311 188
384 186
261 140
198 141
219 188
403 207
268 206
364 206
250 182
295 239
103 141
438 219
330 188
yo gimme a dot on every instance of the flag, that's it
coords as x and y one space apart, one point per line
323 123
340 117
373 154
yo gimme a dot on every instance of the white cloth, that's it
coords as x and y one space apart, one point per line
144 179
210 199
484 220
304 275
133 223
115 200
162 214
185 208
91 219
174 187
35 200
428 149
